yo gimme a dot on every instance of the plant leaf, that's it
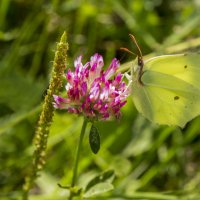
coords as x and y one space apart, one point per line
106 176
94 139
98 189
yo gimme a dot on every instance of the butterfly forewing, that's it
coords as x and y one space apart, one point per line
170 93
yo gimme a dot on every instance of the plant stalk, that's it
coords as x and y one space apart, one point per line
75 170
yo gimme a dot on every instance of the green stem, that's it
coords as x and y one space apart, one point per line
77 157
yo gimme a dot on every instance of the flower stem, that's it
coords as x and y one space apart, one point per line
77 157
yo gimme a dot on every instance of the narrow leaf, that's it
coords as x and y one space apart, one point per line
94 139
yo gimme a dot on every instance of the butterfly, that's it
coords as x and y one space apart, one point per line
166 89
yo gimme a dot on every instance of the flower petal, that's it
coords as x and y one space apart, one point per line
91 91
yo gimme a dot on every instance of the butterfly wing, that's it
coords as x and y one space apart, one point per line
170 93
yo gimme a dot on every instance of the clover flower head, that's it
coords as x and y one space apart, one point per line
93 92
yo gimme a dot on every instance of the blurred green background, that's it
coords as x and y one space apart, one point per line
150 161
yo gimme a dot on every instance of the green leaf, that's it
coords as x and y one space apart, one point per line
99 189
18 92
106 176
94 139
8 122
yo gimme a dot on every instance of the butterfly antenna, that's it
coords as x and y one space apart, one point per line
140 59
135 42
127 50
